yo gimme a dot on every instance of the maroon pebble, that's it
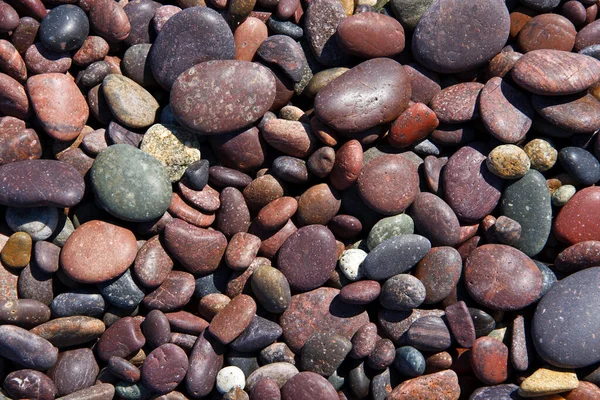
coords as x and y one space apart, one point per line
164 368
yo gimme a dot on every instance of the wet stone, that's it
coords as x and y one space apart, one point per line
580 164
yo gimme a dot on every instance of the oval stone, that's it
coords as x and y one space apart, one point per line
372 93
164 368
435 220
13 98
38 183
439 271
547 31
190 37
320 23
130 184
10 18
132 105
152 263
231 321
246 92
162 297
453 36
58 104
395 256
505 111
98 251
440 385
26 349
109 20
555 72
18 145
469 187
308 386
308 257
388 184
489 359
271 289
64 28
501 277
565 323
580 164
74 370
206 359
457 103
29 384
123 339
357 33
579 256
70 331
579 219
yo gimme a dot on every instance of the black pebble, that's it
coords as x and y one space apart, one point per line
65 28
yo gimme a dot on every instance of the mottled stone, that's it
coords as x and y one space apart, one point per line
226 328
542 154
109 20
93 49
293 138
152 263
429 333
164 298
122 291
248 37
546 381
305 385
482 30
489 360
508 162
123 339
389 227
435 220
413 125
284 52
576 113
164 368
141 181
38 222
260 333
131 104
16 252
318 205
271 289
441 385
58 104
10 18
439 272
323 353
547 31
70 331
517 280
576 222
350 107
580 164
555 72
79 302
74 370
579 256
361 292
320 22
498 392
98 251
11 61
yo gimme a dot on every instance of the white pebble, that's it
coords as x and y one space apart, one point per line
351 263
230 377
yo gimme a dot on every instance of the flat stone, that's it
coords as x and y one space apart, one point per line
483 31
323 353
580 164
206 359
164 368
349 107
388 184
40 60
472 191
245 99
123 339
555 72
225 327
545 382
457 103
577 221
435 220
100 391
70 331
140 179
308 257
131 104
319 311
357 33
162 297
527 201
243 151
97 252
306 385
26 349
505 111
83 301
563 327
320 22
441 385
58 104
395 256
504 263
489 359
439 272
461 324
577 113
402 292
74 370
361 292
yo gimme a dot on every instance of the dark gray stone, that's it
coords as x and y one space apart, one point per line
197 174
580 164
395 256
259 334
122 291
409 361
64 28
323 353
499 392
78 302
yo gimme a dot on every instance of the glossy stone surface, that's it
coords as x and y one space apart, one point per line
26 348
577 221
64 28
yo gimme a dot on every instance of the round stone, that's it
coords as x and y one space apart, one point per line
564 325
580 164
562 195
388 184
64 28
74 370
98 251
517 280
361 292
323 353
121 93
190 37
579 219
16 253
547 31
402 292
349 106
247 91
457 103
507 391
389 227
350 263
439 272
164 368
308 257
435 220
229 378
277 213
307 386
489 359
271 289
541 153
318 205
395 256
454 37
38 222
320 23
130 184
357 33
10 18
508 162
409 361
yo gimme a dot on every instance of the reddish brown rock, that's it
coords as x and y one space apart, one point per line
152 263
345 226
577 113
457 103
11 61
243 151
13 98
277 213
123 339
579 256
347 166
307 386
262 191
198 250
40 60
230 322
425 83
555 72
164 368
70 331
241 250
109 20
502 63
518 18
173 293
207 199
179 209
58 104
414 124
248 38
318 205
388 184
489 360
271 241
18 144
469 188
505 111
93 49
319 311
356 34
579 219
587 36
461 324
9 19
516 283
308 257
361 292
439 271
233 216
293 138
585 391
547 31
98 251
441 385
435 220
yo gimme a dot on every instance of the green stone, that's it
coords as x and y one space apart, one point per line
386 228
130 184
409 12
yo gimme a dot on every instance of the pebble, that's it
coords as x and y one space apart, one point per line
577 257
389 227
123 339
131 172
361 292
442 385
11 61
439 272
229 378
402 292
164 368
259 334
575 113
14 98
395 256
152 263
506 391
87 302
570 225
122 291
58 104
279 372
37 222
293 138
120 93
109 21
74 370
27 383
457 103
320 23
562 195
16 252
94 48
65 28
409 361
547 31
434 219
489 360
350 263
26 349
429 333
10 18
162 297
302 385
352 32
580 165
323 353
461 324
91 254
224 327
545 382
541 153
564 310
483 32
